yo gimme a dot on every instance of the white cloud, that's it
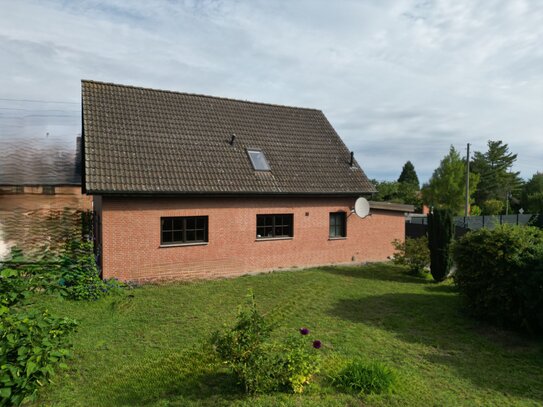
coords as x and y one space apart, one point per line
400 80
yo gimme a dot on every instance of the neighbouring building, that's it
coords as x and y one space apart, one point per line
41 174
40 194
189 186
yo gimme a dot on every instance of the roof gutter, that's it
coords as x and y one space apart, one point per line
226 194
391 206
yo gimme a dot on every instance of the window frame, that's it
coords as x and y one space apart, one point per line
274 225
340 227
48 190
184 230
257 150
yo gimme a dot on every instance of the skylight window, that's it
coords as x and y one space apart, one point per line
258 160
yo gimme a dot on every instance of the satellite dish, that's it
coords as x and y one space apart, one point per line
362 207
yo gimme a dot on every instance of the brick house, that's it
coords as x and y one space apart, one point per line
188 186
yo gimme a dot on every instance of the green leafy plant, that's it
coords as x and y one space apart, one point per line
80 277
412 253
263 365
365 378
492 207
440 236
32 344
298 363
500 275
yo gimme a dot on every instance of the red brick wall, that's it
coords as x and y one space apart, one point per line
131 237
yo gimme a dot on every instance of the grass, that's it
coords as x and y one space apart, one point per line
145 348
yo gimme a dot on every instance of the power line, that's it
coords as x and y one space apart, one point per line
40 101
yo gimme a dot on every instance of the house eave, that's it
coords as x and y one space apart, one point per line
240 194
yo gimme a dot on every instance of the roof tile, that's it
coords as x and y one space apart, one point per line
140 140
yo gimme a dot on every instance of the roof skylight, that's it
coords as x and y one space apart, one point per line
258 160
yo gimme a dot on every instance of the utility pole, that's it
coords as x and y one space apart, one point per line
466 209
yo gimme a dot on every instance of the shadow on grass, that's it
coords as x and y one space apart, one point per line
377 271
435 320
441 288
184 377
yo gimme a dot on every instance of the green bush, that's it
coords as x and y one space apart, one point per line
263 365
440 235
32 344
365 378
500 275
80 277
413 253
492 207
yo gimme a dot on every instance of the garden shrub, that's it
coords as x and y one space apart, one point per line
32 344
500 275
440 235
365 378
80 277
492 207
263 365
413 253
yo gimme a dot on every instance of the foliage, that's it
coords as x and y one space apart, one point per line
80 278
387 191
409 175
492 207
365 378
532 194
500 275
440 235
398 192
32 344
475 210
446 187
497 180
413 253
262 365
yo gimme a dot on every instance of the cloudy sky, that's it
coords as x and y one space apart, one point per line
398 79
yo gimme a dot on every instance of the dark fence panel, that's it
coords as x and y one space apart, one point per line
416 230
417 226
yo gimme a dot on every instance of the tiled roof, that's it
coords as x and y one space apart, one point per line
149 141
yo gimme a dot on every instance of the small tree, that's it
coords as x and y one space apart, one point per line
409 175
492 207
440 235
446 188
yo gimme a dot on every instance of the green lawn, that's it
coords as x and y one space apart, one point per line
143 349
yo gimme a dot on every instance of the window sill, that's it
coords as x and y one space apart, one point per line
267 239
184 244
337 238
